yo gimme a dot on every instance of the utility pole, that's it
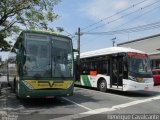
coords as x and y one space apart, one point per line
78 41
77 72
78 44
113 41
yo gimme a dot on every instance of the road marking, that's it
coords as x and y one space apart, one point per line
78 104
101 110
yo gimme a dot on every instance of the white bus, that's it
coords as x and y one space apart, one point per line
118 68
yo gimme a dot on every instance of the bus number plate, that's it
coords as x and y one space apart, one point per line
48 97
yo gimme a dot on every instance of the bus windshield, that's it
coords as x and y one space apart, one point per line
37 58
48 58
139 66
62 58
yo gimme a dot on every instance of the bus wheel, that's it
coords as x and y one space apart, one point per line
102 86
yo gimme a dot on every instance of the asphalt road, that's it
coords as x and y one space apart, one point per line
85 104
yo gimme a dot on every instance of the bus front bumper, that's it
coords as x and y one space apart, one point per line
129 85
25 92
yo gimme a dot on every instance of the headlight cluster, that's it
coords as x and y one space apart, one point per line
132 78
28 85
69 85
137 79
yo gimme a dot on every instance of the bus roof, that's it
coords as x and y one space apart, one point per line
45 32
107 51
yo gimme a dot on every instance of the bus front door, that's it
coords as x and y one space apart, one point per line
116 71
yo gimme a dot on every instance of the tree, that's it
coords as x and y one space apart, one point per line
16 15
4 45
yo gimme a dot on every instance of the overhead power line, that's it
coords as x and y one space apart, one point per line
132 6
128 30
142 8
135 18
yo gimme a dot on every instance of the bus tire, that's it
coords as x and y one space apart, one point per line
16 91
102 85
8 84
17 96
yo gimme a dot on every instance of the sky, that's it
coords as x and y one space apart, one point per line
82 13
106 15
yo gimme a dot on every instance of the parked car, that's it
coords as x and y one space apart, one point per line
156 76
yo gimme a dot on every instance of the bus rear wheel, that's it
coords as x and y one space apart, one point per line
102 86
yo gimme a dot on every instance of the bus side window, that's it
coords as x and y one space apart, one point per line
82 67
105 67
93 66
102 67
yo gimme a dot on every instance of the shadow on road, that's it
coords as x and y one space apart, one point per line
142 93
42 102
11 103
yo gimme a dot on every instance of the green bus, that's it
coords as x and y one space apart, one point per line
41 65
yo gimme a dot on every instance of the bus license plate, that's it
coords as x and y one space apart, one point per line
48 97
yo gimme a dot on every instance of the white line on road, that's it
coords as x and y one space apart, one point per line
78 104
102 110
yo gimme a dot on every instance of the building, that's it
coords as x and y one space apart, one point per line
150 45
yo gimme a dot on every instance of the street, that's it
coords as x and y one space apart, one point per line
85 104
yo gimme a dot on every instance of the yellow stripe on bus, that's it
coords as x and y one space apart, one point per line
43 84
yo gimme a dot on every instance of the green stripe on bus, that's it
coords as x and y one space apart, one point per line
86 80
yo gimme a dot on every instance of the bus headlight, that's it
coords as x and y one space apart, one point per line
69 84
28 85
132 78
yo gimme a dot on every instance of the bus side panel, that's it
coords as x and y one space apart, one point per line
92 80
106 78
85 81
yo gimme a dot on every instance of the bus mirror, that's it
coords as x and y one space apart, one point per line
75 50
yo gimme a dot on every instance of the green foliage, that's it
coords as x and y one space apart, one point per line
4 45
16 15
